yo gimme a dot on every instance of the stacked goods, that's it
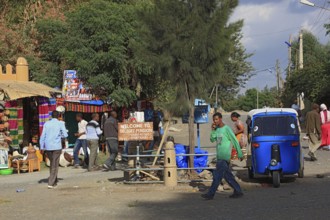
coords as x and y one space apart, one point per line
4 137
4 126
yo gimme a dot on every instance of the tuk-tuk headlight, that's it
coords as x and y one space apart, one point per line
273 162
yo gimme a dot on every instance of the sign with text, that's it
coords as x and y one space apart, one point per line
135 131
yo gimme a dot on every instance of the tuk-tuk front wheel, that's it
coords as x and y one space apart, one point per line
276 179
301 169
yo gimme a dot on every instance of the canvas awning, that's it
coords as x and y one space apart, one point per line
18 89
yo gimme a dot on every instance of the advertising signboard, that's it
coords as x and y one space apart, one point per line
73 87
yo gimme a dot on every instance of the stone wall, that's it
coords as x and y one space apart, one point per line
21 73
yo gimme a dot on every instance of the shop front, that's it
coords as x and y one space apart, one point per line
24 108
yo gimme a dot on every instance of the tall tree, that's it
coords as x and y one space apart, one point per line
237 70
189 42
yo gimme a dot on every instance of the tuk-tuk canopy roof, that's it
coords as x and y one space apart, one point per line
272 110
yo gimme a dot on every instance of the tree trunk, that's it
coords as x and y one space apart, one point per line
191 137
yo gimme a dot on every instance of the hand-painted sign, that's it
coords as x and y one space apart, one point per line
136 131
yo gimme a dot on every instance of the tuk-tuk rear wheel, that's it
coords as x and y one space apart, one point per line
276 179
301 173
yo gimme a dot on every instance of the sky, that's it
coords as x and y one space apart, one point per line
268 24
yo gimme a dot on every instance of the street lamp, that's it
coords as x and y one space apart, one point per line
311 4
306 2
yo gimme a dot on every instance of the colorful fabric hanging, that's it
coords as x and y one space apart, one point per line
15 122
13 127
77 107
45 108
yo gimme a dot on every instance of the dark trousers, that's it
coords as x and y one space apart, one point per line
54 157
223 171
93 146
80 143
112 145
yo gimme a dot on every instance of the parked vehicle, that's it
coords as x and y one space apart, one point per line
275 144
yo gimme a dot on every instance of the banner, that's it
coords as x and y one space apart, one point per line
73 87
136 131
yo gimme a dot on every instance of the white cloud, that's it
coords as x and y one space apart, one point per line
268 25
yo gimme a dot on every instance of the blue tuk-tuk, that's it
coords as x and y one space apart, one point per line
275 144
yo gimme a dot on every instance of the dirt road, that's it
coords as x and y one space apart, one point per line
97 195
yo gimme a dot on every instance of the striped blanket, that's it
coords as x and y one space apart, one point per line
15 122
45 108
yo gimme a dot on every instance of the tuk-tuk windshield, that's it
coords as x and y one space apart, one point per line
275 126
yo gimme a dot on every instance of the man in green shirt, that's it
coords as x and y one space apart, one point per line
224 137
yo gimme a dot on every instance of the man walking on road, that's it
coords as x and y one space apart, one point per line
81 141
93 131
111 135
313 130
224 137
51 141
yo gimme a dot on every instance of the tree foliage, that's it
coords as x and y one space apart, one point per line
189 45
98 40
237 70
312 79
18 19
265 98
101 40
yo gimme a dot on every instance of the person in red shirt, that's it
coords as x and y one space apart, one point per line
325 127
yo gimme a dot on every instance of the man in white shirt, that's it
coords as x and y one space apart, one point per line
93 131
81 141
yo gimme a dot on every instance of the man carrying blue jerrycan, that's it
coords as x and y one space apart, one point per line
224 137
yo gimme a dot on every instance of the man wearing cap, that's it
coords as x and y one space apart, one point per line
51 142
313 130
325 127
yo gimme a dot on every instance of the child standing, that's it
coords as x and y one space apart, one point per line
224 137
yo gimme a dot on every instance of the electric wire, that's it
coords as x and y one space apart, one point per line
320 15
280 31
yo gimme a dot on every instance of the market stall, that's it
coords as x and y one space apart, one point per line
87 108
26 107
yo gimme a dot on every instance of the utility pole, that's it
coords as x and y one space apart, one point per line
216 96
278 77
289 55
257 98
301 53
278 72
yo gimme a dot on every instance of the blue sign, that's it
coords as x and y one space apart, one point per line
200 102
201 113
148 115
70 74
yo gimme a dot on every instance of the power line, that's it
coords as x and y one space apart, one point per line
270 69
319 16
280 31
